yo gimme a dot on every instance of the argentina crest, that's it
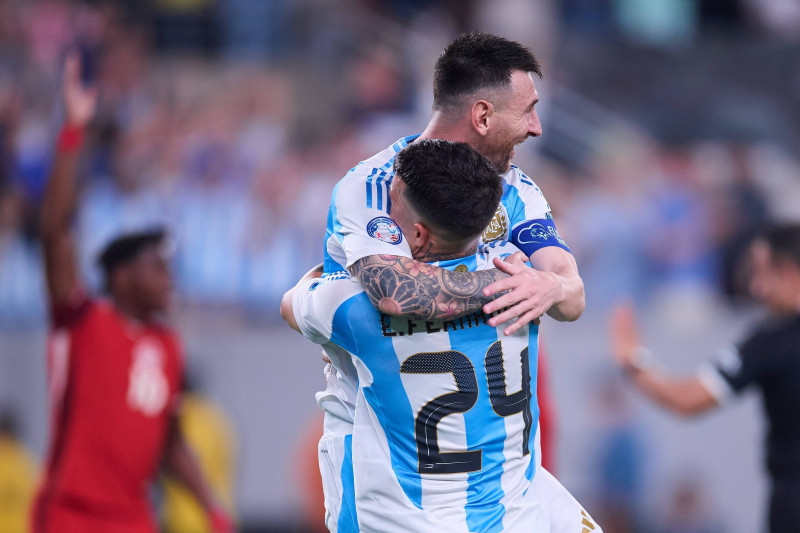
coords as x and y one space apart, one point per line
497 229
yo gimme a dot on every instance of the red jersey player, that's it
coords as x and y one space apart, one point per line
115 370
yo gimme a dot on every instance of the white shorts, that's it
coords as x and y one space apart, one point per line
336 469
563 512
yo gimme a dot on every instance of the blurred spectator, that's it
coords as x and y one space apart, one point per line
689 511
18 473
620 456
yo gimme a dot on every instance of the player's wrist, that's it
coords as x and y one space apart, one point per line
221 521
70 138
642 360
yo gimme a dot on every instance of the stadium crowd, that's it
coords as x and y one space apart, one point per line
239 158
235 142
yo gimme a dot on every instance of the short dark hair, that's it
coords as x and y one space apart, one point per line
126 248
475 61
783 240
450 186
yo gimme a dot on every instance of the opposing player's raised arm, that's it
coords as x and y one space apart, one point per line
60 194
401 286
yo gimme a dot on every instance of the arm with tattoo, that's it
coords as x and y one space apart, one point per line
401 286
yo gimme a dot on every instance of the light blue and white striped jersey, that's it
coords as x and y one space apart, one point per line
360 225
446 415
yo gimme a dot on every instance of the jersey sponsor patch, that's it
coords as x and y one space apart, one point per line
384 229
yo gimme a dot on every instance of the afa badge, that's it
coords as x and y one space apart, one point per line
498 227
384 229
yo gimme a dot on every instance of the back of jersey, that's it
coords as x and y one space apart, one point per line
445 421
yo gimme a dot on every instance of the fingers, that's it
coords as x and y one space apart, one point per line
524 320
625 338
72 66
507 300
509 268
517 258
522 309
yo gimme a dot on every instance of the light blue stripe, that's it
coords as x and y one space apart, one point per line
333 227
379 189
515 206
348 518
486 431
533 364
386 395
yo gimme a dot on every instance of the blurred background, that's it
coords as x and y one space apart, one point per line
671 132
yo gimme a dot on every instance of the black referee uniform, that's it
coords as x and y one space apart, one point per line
770 360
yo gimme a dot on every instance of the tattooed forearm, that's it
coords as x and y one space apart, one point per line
400 286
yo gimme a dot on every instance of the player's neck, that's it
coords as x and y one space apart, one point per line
445 127
132 312
433 253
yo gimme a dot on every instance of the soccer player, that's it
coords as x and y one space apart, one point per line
485 96
768 359
114 368
446 418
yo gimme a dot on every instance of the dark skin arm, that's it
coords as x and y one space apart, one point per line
180 463
60 194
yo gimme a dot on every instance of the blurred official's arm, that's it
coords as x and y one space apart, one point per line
686 396
60 194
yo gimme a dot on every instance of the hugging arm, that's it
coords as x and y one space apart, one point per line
401 286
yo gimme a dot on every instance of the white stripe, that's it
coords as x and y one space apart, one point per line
716 384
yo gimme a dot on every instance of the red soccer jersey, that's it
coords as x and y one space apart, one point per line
113 385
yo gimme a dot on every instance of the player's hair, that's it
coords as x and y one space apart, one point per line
126 248
453 188
477 61
783 240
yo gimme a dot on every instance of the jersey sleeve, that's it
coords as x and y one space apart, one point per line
359 219
737 367
316 302
67 314
531 222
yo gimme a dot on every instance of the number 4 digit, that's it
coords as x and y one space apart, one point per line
505 404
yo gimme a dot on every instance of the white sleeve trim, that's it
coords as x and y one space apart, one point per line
301 307
716 384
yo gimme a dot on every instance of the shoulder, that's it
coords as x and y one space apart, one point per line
488 251
520 191
516 180
370 170
772 333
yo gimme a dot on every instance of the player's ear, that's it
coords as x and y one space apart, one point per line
419 238
480 115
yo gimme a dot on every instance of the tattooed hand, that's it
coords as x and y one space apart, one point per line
401 286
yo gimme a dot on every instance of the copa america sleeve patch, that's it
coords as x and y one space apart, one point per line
534 235
384 229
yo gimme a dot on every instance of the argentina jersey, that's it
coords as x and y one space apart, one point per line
446 416
359 218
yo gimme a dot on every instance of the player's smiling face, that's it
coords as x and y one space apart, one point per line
513 121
